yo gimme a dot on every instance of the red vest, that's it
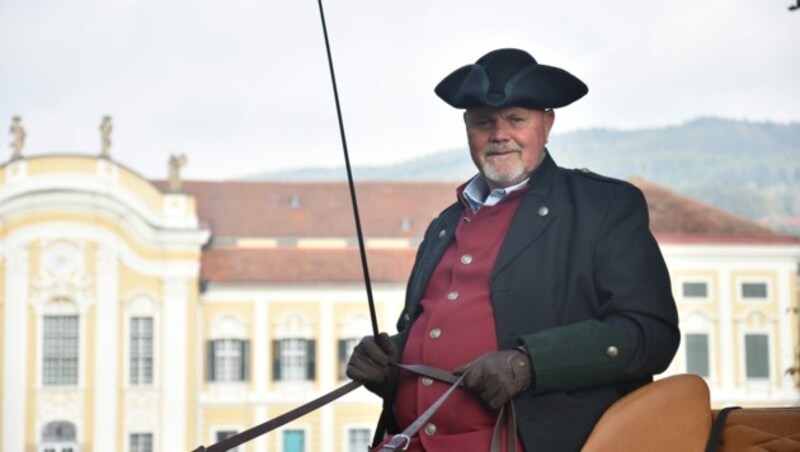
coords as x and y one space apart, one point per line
455 327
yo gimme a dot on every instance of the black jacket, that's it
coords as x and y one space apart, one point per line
580 281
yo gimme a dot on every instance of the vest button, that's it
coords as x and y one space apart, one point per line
543 211
452 295
466 259
435 333
612 352
430 429
427 381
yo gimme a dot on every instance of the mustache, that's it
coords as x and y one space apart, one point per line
497 148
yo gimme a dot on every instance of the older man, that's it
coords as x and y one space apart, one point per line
543 286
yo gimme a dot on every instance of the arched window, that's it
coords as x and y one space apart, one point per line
59 436
294 351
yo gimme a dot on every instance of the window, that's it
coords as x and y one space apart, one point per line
346 347
141 350
228 360
59 436
294 441
293 359
60 350
697 355
140 442
756 349
695 289
358 439
754 291
222 435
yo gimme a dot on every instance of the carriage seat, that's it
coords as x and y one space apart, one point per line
674 414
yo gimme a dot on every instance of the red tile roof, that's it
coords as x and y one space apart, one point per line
286 211
676 218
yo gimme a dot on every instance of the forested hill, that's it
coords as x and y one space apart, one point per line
748 168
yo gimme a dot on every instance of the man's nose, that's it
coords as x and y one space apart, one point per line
501 131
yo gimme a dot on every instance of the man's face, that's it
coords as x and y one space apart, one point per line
507 144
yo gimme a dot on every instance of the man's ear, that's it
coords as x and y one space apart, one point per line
549 119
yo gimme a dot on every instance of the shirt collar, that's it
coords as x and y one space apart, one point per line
478 194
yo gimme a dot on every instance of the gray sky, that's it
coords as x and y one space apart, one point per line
242 86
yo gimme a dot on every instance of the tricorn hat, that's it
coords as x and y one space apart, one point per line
510 77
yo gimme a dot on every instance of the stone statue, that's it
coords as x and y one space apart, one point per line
105 137
19 137
176 162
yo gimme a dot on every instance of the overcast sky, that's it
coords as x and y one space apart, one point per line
242 86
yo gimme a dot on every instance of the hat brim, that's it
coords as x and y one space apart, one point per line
537 86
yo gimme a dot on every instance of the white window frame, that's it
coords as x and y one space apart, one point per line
306 436
758 382
740 282
293 358
229 356
78 354
130 436
347 428
140 363
229 326
691 280
686 352
218 428
61 446
142 305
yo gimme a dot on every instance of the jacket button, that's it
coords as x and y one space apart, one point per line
427 381
466 259
430 429
612 352
543 211
442 233
452 295
435 333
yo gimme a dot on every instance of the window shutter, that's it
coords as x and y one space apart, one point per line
310 350
210 354
245 345
276 360
342 356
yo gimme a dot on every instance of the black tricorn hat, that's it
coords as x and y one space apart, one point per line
510 77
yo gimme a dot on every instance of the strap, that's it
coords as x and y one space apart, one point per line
509 412
431 372
716 429
402 440
247 435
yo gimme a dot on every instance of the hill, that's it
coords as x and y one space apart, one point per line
748 168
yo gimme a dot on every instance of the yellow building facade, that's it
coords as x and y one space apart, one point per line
138 317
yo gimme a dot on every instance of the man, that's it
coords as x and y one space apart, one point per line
543 286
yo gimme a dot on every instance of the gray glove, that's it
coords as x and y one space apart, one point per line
498 377
370 363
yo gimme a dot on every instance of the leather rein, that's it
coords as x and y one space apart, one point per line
399 442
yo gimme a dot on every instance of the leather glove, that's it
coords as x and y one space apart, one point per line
370 363
497 377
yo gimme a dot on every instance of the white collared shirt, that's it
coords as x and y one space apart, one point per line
478 194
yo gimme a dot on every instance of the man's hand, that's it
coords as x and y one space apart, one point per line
497 377
370 362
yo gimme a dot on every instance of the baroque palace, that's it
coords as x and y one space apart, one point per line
142 315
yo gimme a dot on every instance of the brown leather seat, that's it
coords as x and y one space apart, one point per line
761 429
672 414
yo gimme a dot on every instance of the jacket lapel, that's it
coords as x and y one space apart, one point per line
533 215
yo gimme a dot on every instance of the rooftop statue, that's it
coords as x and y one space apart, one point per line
19 137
